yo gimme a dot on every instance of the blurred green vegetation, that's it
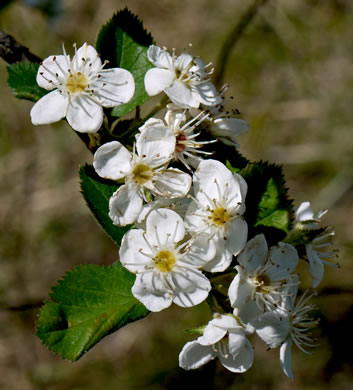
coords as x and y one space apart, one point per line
291 75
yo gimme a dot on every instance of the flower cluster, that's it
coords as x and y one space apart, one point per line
188 209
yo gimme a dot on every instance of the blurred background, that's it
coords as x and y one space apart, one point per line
291 75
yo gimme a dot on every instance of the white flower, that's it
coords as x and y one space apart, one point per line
186 147
316 251
224 338
167 266
217 209
143 171
263 277
81 88
179 205
184 79
287 325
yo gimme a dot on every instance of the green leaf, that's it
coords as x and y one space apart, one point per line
22 80
268 209
124 42
89 303
97 192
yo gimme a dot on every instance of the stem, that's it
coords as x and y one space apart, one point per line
233 39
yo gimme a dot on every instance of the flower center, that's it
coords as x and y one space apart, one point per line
219 216
142 173
262 284
164 260
182 75
76 83
179 147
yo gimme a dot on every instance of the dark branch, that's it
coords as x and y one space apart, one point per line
11 51
233 38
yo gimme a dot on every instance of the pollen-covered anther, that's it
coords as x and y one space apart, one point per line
219 216
164 260
76 83
142 173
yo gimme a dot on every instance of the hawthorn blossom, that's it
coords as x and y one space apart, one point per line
80 88
184 79
316 250
216 210
145 171
263 278
187 149
287 325
166 263
224 338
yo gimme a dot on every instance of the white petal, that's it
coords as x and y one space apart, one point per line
207 93
156 144
159 57
174 118
157 80
285 256
49 109
183 61
112 161
133 251
286 358
151 123
52 68
242 361
117 86
225 321
229 127
171 183
222 258
243 185
304 212
125 205
315 266
191 287
216 181
290 293
195 218
85 56
164 226
212 334
182 95
201 252
194 355
236 341
149 290
240 289
84 115
272 328
254 254
249 312
237 234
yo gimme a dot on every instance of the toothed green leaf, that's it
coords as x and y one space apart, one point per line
22 80
97 193
89 303
124 42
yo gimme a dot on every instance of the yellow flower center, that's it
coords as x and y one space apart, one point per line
262 284
76 83
219 216
142 173
164 260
